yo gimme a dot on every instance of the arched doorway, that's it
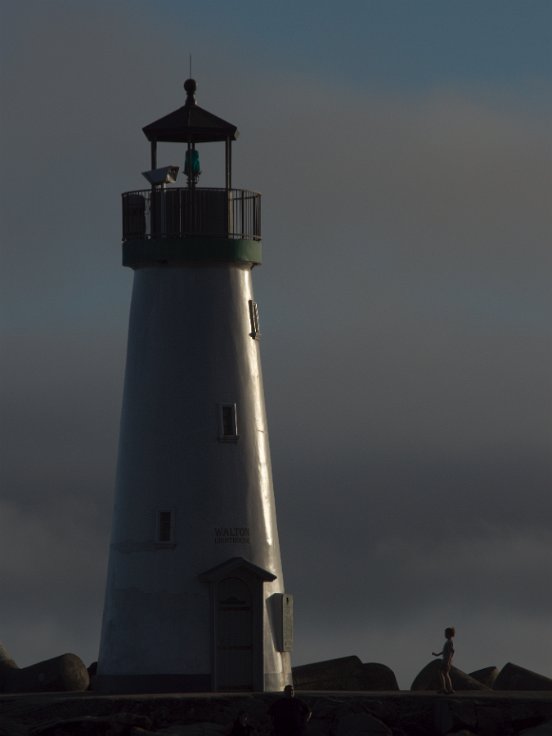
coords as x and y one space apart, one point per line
237 624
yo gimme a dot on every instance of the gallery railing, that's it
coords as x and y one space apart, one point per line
183 212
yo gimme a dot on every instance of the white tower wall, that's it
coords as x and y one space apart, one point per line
190 351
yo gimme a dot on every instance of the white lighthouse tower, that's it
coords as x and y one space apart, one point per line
195 596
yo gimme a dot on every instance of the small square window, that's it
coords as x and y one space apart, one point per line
228 423
165 527
254 320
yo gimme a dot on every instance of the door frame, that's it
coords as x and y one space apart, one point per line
254 577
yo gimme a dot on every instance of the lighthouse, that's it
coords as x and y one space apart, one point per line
195 597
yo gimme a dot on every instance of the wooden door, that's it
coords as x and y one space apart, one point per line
234 635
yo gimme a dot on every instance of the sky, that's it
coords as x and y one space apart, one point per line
404 155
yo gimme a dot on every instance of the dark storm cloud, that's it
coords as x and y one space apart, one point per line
405 312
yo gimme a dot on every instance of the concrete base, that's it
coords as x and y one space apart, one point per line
125 684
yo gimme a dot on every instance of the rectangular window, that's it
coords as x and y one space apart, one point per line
228 423
165 527
254 320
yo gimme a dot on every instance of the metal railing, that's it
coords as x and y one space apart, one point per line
182 212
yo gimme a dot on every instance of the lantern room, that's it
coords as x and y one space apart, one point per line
167 222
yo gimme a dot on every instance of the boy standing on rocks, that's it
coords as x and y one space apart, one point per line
446 664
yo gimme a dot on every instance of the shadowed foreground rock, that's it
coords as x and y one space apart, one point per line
428 679
116 724
514 677
480 713
66 673
345 673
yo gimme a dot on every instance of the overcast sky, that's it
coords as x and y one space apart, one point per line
404 155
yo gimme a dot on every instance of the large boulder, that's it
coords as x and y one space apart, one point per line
6 662
65 673
7 667
429 679
486 676
344 673
514 677
377 676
